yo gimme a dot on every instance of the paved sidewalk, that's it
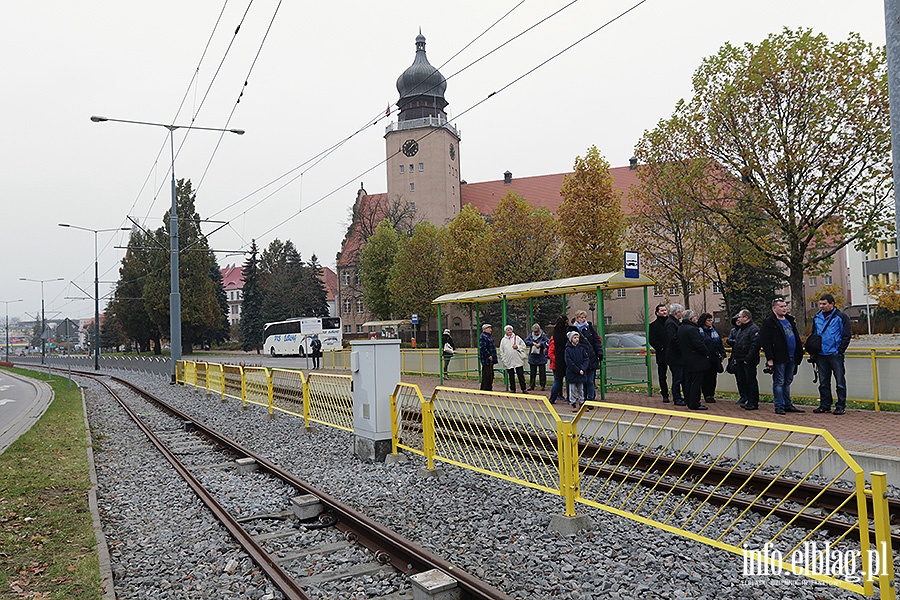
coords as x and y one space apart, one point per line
869 431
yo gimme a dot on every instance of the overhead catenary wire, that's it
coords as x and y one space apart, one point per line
492 94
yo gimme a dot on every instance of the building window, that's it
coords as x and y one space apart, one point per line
401 168
347 305
359 306
348 329
657 290
718 286
421 167
346 277
620 293
813 282
829 280
357 278
359 329
673 291
607 320
234 309
411 169
412 186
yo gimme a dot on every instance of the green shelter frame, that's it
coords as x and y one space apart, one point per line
596 284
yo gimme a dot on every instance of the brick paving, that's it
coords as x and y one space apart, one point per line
859 430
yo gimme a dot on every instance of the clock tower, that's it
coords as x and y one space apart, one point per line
422 146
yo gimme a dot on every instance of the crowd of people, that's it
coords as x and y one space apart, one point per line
690 356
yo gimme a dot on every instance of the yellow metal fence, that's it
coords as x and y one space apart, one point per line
657 467
321 398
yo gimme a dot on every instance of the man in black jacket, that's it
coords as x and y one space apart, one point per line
781 342
746 358
695 359
673 353
658 342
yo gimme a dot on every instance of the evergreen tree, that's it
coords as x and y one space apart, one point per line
312 292
252 322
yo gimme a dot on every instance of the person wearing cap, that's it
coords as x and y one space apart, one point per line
537 343
449 350
578 363
512 357
487 352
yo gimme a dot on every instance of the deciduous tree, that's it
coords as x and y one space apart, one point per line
591 221
523 242
375 263
417 276
801 127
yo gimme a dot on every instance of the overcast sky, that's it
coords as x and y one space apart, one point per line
324 71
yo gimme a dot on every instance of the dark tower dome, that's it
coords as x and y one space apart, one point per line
421 88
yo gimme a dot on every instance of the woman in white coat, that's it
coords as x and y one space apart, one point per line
513 354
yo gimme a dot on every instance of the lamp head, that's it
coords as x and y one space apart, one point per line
97 119
63 224
237 131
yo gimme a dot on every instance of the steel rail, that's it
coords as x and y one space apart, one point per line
401 553
282 580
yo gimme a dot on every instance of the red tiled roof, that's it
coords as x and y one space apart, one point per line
365 203
539 190
329 278
233 277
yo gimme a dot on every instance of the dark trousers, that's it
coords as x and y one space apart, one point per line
513 373
748 386
833 364
710 376
534 370
556 392
315 358
487 376
661 372
693 382
678 388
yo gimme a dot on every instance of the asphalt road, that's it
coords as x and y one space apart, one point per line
21 405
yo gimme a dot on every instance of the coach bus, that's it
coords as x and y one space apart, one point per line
294 336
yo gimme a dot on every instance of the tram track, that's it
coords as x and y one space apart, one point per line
758 491
384 548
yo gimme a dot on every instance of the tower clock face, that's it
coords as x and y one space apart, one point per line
452 152
410 147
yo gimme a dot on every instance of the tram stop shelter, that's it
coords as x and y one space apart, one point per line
586 284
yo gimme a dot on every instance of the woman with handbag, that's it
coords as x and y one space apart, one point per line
716 355
512 357
538 343
449 350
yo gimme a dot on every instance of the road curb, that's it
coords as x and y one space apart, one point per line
42 399
107 588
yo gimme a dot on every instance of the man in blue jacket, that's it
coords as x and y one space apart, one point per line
487 351
834 327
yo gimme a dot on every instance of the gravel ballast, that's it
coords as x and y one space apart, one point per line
164 544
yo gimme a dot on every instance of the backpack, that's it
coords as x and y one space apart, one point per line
813 345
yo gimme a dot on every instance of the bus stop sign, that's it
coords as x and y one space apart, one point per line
415 318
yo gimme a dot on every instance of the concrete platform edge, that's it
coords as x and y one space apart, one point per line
107 588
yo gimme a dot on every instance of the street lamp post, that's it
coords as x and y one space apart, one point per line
7 303
96 287
43 319
175 295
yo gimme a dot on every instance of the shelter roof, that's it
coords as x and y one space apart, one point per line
554 287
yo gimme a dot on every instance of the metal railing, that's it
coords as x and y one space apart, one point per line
696 477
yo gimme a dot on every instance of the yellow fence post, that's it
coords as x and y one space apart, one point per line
884 566
306 402
395 428
875 379
243 389
428 431
567 472
271 392
206 378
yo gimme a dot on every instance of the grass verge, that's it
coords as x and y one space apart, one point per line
47 543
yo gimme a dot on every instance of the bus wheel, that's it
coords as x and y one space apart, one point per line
302 353
272 351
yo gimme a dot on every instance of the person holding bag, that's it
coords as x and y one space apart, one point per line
716 349
512 356
538 343
449 350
